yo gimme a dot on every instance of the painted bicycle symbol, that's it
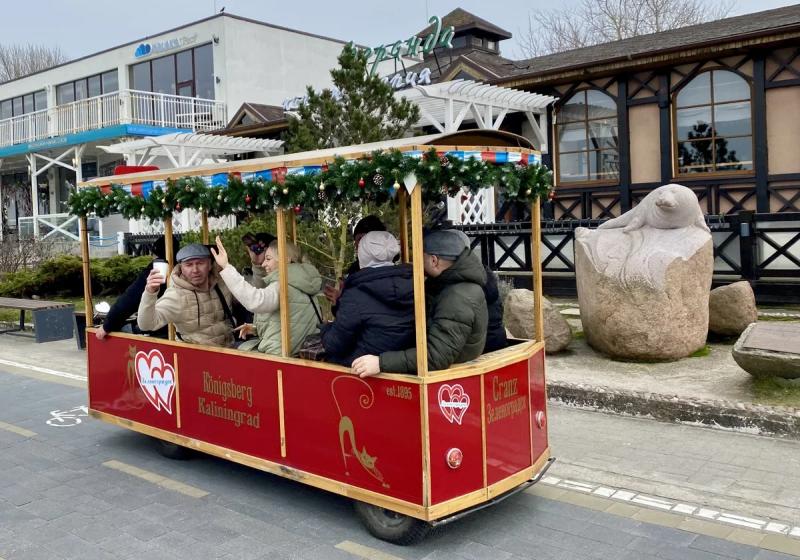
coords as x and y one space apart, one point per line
67 418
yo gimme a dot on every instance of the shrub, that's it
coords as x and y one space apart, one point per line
63 276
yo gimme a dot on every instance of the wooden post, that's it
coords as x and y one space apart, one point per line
293 226
536 268
419 281
87 274
403 215
169 250
204 226
283 276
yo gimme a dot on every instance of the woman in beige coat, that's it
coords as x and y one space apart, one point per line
304 284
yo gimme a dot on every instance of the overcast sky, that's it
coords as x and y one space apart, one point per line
82 27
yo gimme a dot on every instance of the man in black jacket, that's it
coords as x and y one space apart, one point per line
128 303
376 308
496 333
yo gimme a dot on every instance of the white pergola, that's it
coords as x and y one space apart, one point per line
184 149
446 105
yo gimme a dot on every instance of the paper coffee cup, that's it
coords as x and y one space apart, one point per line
161 267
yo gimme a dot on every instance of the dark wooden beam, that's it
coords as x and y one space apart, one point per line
760 133
623 144
665 126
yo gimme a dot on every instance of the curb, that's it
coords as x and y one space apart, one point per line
764 420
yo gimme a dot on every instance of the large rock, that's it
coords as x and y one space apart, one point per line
731 308
769 350
518 316
644 278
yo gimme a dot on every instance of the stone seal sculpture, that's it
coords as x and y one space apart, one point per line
644 278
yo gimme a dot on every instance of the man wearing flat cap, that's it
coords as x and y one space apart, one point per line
196 301
455 307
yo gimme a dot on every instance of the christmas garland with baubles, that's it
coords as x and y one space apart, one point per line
339 185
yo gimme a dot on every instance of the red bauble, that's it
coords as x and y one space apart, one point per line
178 206
298 209
361 182
247 199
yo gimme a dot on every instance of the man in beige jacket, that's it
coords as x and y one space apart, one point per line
196 301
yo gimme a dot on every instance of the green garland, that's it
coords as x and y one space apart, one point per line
345 183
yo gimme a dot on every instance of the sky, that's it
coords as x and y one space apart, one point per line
83 27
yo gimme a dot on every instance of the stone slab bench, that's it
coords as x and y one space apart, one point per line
769 349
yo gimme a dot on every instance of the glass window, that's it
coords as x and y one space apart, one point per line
17 103
164 75
696 92
40 100
491 45
81 91
713 124
27 103
586 128
204 72
183 64
140 74
65 93
95 86
6 112
459 42
110 81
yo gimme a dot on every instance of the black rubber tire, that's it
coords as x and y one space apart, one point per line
391 526
173 450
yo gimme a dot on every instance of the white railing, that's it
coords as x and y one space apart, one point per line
24 129
54 226
119 107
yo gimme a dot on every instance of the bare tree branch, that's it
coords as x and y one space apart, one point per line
17 61
601 21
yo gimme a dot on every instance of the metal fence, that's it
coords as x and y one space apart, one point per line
761 248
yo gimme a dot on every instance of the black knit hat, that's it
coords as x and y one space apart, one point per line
368 224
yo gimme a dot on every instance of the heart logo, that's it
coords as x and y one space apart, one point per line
156 378
453 402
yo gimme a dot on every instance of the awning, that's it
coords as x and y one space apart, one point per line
186 149
446 105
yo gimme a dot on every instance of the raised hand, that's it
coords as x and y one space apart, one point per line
220 254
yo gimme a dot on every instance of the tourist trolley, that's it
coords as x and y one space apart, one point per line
412 451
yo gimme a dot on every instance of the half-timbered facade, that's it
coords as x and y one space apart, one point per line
715 107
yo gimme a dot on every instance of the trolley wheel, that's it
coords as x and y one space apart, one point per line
391 526
173 450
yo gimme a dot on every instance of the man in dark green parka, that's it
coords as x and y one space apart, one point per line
455 304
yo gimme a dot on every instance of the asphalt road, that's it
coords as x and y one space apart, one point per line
73 487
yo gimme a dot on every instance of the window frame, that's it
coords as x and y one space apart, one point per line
676 174
21 98
85 79
585 122
178 85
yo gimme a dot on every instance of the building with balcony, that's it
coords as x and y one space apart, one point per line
187 79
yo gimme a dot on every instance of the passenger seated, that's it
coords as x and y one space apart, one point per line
455 309
496 338
128 303
256 324
376 306
364 226
196 301
304 283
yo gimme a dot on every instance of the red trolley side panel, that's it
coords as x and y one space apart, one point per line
508 421
364 433
361 432
455 423
538 404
